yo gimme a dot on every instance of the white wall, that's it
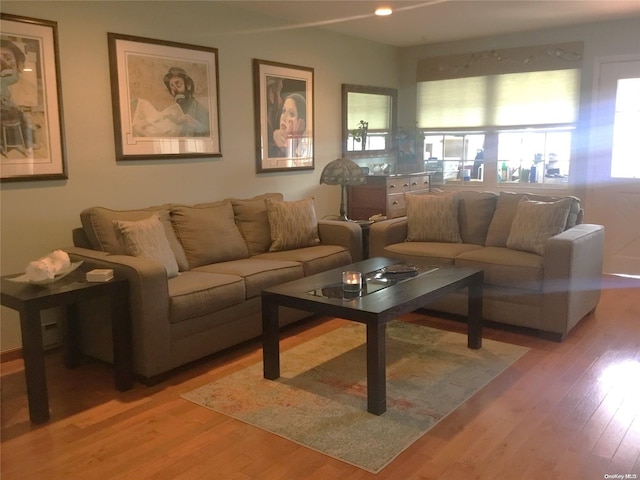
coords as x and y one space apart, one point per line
37 217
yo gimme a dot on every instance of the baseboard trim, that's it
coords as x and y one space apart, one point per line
9 355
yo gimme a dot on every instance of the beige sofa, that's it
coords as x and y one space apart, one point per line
202 295
542 265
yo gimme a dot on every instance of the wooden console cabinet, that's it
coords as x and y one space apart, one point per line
384 194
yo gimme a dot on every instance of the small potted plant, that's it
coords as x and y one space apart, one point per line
360 134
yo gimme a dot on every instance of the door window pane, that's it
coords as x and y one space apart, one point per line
625 155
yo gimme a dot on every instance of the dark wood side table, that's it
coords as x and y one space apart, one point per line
29 300
365 224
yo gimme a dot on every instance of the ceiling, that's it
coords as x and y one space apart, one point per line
422 22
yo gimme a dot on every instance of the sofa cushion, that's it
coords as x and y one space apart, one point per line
505 267
432 218
257 273
313 259
208 233
506 208
536 222
253 221
432 253
194 294
147 238
292 224
97 223
475 212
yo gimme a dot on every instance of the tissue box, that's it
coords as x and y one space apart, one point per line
99 275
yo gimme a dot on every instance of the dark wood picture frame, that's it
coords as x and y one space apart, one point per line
284 116
166 99
32 130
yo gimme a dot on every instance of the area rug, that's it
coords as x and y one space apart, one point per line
320 399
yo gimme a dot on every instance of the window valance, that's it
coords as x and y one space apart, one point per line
558 56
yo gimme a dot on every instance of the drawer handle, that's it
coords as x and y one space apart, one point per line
406 185
414 184
392 186
395 202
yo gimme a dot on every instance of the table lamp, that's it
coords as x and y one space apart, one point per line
342 172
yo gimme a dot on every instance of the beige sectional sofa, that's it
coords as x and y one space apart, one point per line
196 272
542 265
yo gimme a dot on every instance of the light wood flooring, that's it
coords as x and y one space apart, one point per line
567 410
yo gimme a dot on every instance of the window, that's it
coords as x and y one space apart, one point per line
369 118
509 112
626 141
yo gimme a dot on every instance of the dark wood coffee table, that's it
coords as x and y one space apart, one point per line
375 310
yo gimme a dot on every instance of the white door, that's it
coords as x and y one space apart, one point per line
613 193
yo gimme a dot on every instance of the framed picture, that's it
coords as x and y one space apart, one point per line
165 99
32 135
283 104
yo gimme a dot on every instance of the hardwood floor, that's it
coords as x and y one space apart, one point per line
567 410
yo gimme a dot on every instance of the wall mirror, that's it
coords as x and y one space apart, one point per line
369 120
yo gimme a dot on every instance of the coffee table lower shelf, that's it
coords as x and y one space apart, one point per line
374 310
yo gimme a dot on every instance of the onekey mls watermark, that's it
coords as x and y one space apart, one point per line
621 476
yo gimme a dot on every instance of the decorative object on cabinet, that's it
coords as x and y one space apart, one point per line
373 113
343 172
32 131
165 99
384 194
284 108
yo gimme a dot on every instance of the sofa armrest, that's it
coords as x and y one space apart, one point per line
386 232
148 304
344 234
573 263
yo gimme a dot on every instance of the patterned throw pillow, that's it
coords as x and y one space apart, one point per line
292 224
536 222
432 218
147 238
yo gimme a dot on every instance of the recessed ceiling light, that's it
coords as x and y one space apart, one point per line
382 11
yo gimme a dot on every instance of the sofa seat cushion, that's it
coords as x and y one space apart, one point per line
506 267
193 294
257 273
313 259
433 253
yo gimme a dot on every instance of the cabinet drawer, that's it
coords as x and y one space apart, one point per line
398 185
419 183
396 206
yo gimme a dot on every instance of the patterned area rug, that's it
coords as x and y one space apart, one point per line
320 400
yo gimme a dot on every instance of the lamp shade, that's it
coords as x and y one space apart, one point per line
342 172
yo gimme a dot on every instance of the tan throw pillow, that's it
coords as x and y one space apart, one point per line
292 224
503 216
536 222
432 218
147 238
208 233
98 225
506 211
475 212
253 221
